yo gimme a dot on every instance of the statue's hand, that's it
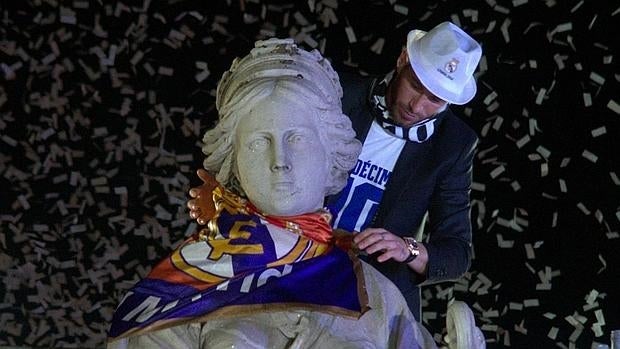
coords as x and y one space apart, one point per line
201 205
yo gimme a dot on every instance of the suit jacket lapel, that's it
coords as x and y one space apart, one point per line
404 170
407 168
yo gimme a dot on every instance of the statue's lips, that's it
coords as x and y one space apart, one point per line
285 188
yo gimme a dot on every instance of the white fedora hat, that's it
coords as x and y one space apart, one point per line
444 59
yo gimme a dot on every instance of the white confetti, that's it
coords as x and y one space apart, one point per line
575 335
504 243
502 9
614 106
497 171
403 10
67 16
589 155
377 47
563 187
490 98
544 169
564 27
541 95
565 162
603 262
583 208
553 333
8 140
166 71
614 178
529 251
598 332
592 296
597 78
523 141
504 28
559 60
350 35
577 6
546 153
515 306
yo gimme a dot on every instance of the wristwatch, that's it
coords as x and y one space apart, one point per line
413 248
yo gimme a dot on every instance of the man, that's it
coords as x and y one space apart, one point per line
264 273
416 160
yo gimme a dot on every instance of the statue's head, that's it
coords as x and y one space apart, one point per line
282 139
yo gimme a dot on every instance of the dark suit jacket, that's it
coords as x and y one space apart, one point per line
434 177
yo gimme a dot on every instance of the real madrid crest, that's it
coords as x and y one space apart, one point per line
452 65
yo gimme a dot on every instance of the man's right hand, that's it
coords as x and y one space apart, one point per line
201 205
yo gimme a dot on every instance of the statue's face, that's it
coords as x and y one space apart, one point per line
282 164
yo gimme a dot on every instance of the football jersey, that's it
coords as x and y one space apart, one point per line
358 202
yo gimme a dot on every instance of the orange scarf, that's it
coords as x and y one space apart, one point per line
315 226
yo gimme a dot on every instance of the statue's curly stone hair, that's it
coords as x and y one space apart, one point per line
279 66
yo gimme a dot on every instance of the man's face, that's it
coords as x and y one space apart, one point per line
408 101
282 164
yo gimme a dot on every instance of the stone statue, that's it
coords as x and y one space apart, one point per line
266 271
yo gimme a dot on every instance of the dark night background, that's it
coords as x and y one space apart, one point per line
103 105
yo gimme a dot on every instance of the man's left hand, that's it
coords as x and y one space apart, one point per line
391 246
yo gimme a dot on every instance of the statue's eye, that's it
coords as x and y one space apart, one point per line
295 138
259 144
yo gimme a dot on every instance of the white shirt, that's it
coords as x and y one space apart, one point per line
358 202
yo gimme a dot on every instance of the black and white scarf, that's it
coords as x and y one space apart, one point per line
420 132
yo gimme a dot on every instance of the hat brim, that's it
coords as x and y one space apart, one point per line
422 69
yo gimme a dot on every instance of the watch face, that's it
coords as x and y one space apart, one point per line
412 245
